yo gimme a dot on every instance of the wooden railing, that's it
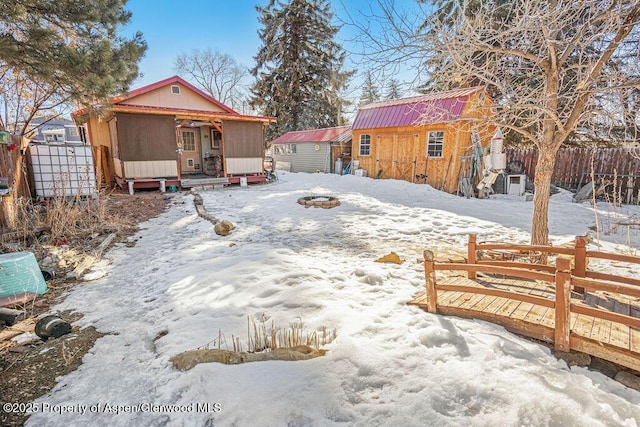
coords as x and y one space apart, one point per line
561 275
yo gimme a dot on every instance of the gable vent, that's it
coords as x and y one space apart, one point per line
175 90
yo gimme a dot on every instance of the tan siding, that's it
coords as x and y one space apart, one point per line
244 165
162 97
150 169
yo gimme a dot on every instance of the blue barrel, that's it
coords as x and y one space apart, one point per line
20 273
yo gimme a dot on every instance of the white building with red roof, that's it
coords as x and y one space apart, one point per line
313 150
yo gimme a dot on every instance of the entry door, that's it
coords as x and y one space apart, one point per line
384 156
191 158
404 157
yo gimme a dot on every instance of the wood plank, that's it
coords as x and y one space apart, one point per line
606 315
500 293
607 352
598 285
483 303
516 264
449 298
526 248
583 325
508 308
612 278
522 310
619 332
634 339
421 297
508 271
614 257
536 314
495 305
601 330
21 327
470 300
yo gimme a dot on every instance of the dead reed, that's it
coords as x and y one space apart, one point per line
262 337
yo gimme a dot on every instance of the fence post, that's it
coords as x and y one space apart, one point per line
580 260
471 254
563 304
430 278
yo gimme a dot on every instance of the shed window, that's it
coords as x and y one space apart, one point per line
365 145
435 144
284 149
175 90
188 140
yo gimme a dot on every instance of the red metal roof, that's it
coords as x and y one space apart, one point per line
434 107
172 79
337 134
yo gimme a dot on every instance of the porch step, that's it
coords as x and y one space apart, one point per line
196 182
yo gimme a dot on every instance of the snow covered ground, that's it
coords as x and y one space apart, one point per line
390 365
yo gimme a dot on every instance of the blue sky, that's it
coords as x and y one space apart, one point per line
171 27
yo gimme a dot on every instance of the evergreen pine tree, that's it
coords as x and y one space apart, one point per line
393 90
370 91
71 44
298 71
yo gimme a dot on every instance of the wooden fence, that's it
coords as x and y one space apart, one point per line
7 165
573 165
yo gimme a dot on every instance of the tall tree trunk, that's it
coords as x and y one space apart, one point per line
542 181
15 183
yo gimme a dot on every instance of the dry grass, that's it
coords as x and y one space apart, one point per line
62 217
261 337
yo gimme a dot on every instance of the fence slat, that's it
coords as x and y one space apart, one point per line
571 163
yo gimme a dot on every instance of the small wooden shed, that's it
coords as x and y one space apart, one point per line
171 131
313 150
421 139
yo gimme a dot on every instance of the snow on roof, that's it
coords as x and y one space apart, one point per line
436 107
334 134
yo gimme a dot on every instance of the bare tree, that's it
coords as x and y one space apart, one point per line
23 99
546 61
218 74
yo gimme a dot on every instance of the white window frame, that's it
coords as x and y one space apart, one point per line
365 141
284 149
174 91
435 144
184 144
215 143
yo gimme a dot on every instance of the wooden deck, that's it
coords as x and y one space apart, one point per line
595 313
